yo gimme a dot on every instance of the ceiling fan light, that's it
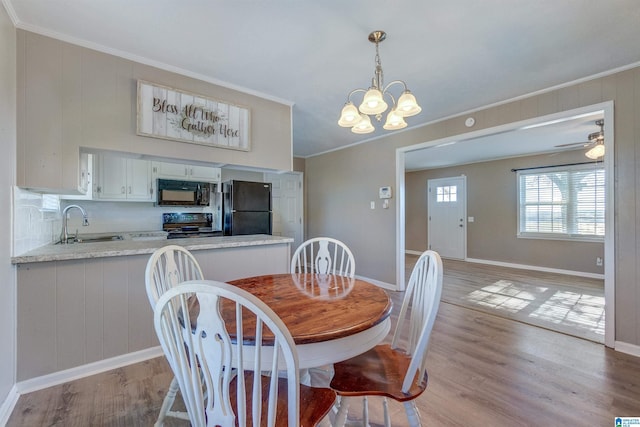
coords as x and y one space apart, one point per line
349 116
407 104
363 126
394 121
596 152
372 103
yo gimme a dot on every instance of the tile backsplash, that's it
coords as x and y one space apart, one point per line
37 217
36 221
109 217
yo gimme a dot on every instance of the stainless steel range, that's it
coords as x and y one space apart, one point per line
184 225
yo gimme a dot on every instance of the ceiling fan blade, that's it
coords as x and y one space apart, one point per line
571 144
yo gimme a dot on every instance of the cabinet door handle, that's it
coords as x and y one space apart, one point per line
122 190
129 189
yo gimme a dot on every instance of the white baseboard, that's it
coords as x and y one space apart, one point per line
524 266
624 347
537 268
67 375
7 406
384 285
410 252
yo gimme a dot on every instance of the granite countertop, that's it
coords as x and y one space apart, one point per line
139 244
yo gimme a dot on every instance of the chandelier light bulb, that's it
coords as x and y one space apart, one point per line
394 121
373 102
363 126
407 104
349 116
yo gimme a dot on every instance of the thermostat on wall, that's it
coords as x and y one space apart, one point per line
385 192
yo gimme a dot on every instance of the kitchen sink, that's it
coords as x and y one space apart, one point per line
109 238
98 239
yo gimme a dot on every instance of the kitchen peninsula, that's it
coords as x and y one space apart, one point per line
83 306
144 245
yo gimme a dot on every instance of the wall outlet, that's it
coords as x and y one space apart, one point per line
599 261
373 204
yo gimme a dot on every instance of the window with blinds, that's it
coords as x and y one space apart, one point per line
562 203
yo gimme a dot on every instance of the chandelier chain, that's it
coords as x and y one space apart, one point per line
379 77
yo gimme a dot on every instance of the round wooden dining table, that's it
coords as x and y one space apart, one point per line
331 318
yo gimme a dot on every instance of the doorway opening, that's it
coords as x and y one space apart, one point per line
519 131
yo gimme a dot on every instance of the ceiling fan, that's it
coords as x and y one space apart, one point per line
593 138
595 141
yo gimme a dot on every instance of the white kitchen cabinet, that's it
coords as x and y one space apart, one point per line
204 173
139 183
118 178
187 172
85 179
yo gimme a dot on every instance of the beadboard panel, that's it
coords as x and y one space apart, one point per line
71 313
93 303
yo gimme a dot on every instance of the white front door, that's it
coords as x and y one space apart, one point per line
286 193
446 210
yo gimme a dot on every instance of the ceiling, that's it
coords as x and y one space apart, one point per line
455 56
561 134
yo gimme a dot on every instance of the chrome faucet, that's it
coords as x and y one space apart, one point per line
64 236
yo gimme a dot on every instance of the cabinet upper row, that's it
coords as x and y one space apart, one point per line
108 177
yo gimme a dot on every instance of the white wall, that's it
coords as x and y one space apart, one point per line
7 180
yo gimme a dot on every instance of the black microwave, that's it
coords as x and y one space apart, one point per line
183 193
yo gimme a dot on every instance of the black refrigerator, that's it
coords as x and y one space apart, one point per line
246 207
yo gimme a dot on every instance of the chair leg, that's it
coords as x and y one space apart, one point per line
387 418
412 414
167 402
365 411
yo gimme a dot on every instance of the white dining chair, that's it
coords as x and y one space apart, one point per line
200 325
397 371
167 267
323 255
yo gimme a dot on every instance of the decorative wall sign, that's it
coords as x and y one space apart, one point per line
168 113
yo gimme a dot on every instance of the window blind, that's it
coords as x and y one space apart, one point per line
564 202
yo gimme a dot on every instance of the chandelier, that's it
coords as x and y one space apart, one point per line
373 103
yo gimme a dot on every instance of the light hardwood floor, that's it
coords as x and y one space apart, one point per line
569 304
484 370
